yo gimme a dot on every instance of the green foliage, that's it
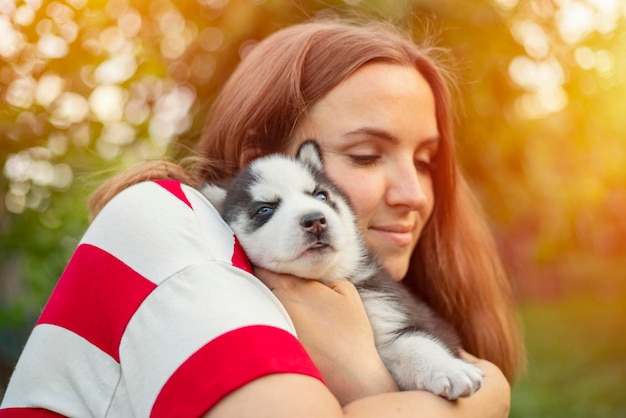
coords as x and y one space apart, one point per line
38 246
577 359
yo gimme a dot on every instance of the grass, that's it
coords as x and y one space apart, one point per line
576 358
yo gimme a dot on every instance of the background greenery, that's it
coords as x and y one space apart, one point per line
88 87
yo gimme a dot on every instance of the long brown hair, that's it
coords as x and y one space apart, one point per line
455 266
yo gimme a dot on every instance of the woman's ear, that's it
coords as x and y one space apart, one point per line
249 154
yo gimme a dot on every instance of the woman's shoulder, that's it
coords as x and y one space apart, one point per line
161 226
150 204
154 196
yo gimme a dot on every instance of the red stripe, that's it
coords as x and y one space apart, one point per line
227 363
28 413
95 298
175 188
239 258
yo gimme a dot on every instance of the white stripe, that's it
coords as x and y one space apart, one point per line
120 406
182 315
79 378
156 234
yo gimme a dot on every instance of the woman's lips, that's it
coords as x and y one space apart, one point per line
398 234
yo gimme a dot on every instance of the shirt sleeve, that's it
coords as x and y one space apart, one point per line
156 314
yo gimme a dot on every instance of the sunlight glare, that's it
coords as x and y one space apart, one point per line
137 111
536 75
11 40
116 70
62 176
77 4
21 92
130 22
543 81
171 114
114 136
52 46
107 102
69 108
532 37
576 20
24 15
15 203
203 67
118 133
58 143
608 12
214 4
114 41
604 62
49 87
585 58
30 173
507 4
60 13
211 39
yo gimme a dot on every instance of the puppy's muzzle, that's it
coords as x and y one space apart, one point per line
313 223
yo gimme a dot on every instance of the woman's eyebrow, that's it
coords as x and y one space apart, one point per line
375 132
432 141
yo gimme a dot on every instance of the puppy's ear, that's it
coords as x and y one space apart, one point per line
311 153
216 195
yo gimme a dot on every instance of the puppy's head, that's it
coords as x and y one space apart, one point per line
290 218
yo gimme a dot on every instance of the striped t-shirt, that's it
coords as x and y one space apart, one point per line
156 314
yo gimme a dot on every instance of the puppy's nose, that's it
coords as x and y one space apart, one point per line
313 223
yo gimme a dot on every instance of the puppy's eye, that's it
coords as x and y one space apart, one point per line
264 210
321 196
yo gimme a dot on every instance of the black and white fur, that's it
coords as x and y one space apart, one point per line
290 218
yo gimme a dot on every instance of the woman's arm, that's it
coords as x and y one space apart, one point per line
332 325
292 395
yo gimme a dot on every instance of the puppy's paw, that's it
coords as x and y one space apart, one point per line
452 379
422 363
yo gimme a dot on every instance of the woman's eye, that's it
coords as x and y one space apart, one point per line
364 160
425 166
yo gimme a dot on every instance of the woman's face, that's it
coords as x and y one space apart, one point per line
379 135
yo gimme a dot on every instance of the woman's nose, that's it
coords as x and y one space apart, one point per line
407 187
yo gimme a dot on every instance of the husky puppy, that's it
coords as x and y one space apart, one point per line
290 218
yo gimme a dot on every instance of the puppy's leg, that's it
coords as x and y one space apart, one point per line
419 362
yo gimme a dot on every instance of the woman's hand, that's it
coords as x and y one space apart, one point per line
494 398
333 327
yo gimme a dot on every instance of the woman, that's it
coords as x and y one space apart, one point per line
200 336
